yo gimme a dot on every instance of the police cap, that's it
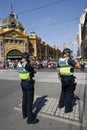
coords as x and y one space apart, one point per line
67 50
25 55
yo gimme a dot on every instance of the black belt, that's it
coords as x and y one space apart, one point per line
25 80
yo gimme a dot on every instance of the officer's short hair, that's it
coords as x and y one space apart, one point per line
25 55
67 50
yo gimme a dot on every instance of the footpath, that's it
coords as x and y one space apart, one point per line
48 107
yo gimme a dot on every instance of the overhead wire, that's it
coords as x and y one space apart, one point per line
64 21
43 6
37 8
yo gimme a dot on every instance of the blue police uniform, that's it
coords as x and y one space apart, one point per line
66 72
26 74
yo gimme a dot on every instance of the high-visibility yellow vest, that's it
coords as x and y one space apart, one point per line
64 67
23 73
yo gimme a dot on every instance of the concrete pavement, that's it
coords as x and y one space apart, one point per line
47 106
41 76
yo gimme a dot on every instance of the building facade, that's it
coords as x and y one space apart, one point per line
84 39
82 35
14 40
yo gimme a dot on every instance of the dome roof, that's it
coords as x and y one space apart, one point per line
12 22
33 33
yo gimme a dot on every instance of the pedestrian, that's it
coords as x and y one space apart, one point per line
65 73
26 74
82 63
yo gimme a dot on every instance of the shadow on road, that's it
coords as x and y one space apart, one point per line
39 103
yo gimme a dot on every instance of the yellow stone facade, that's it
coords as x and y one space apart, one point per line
14 40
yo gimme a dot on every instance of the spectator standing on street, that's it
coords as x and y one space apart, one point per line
26 74
65 72
82 63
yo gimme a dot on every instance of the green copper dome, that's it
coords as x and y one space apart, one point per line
12 22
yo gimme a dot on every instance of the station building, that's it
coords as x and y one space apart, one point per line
14 40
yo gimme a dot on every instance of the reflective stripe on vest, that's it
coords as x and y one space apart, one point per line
23 73
65 68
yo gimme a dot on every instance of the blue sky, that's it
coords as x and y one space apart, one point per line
56 23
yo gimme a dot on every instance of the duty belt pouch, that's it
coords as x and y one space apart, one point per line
73 83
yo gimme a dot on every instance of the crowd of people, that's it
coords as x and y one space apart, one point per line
37 64
8 64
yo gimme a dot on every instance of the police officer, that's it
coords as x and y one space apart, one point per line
65 73
26 74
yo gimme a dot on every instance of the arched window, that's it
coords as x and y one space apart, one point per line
14 54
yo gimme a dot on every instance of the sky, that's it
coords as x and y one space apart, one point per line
54 21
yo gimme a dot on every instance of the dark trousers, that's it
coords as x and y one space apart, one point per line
28 97
67 94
